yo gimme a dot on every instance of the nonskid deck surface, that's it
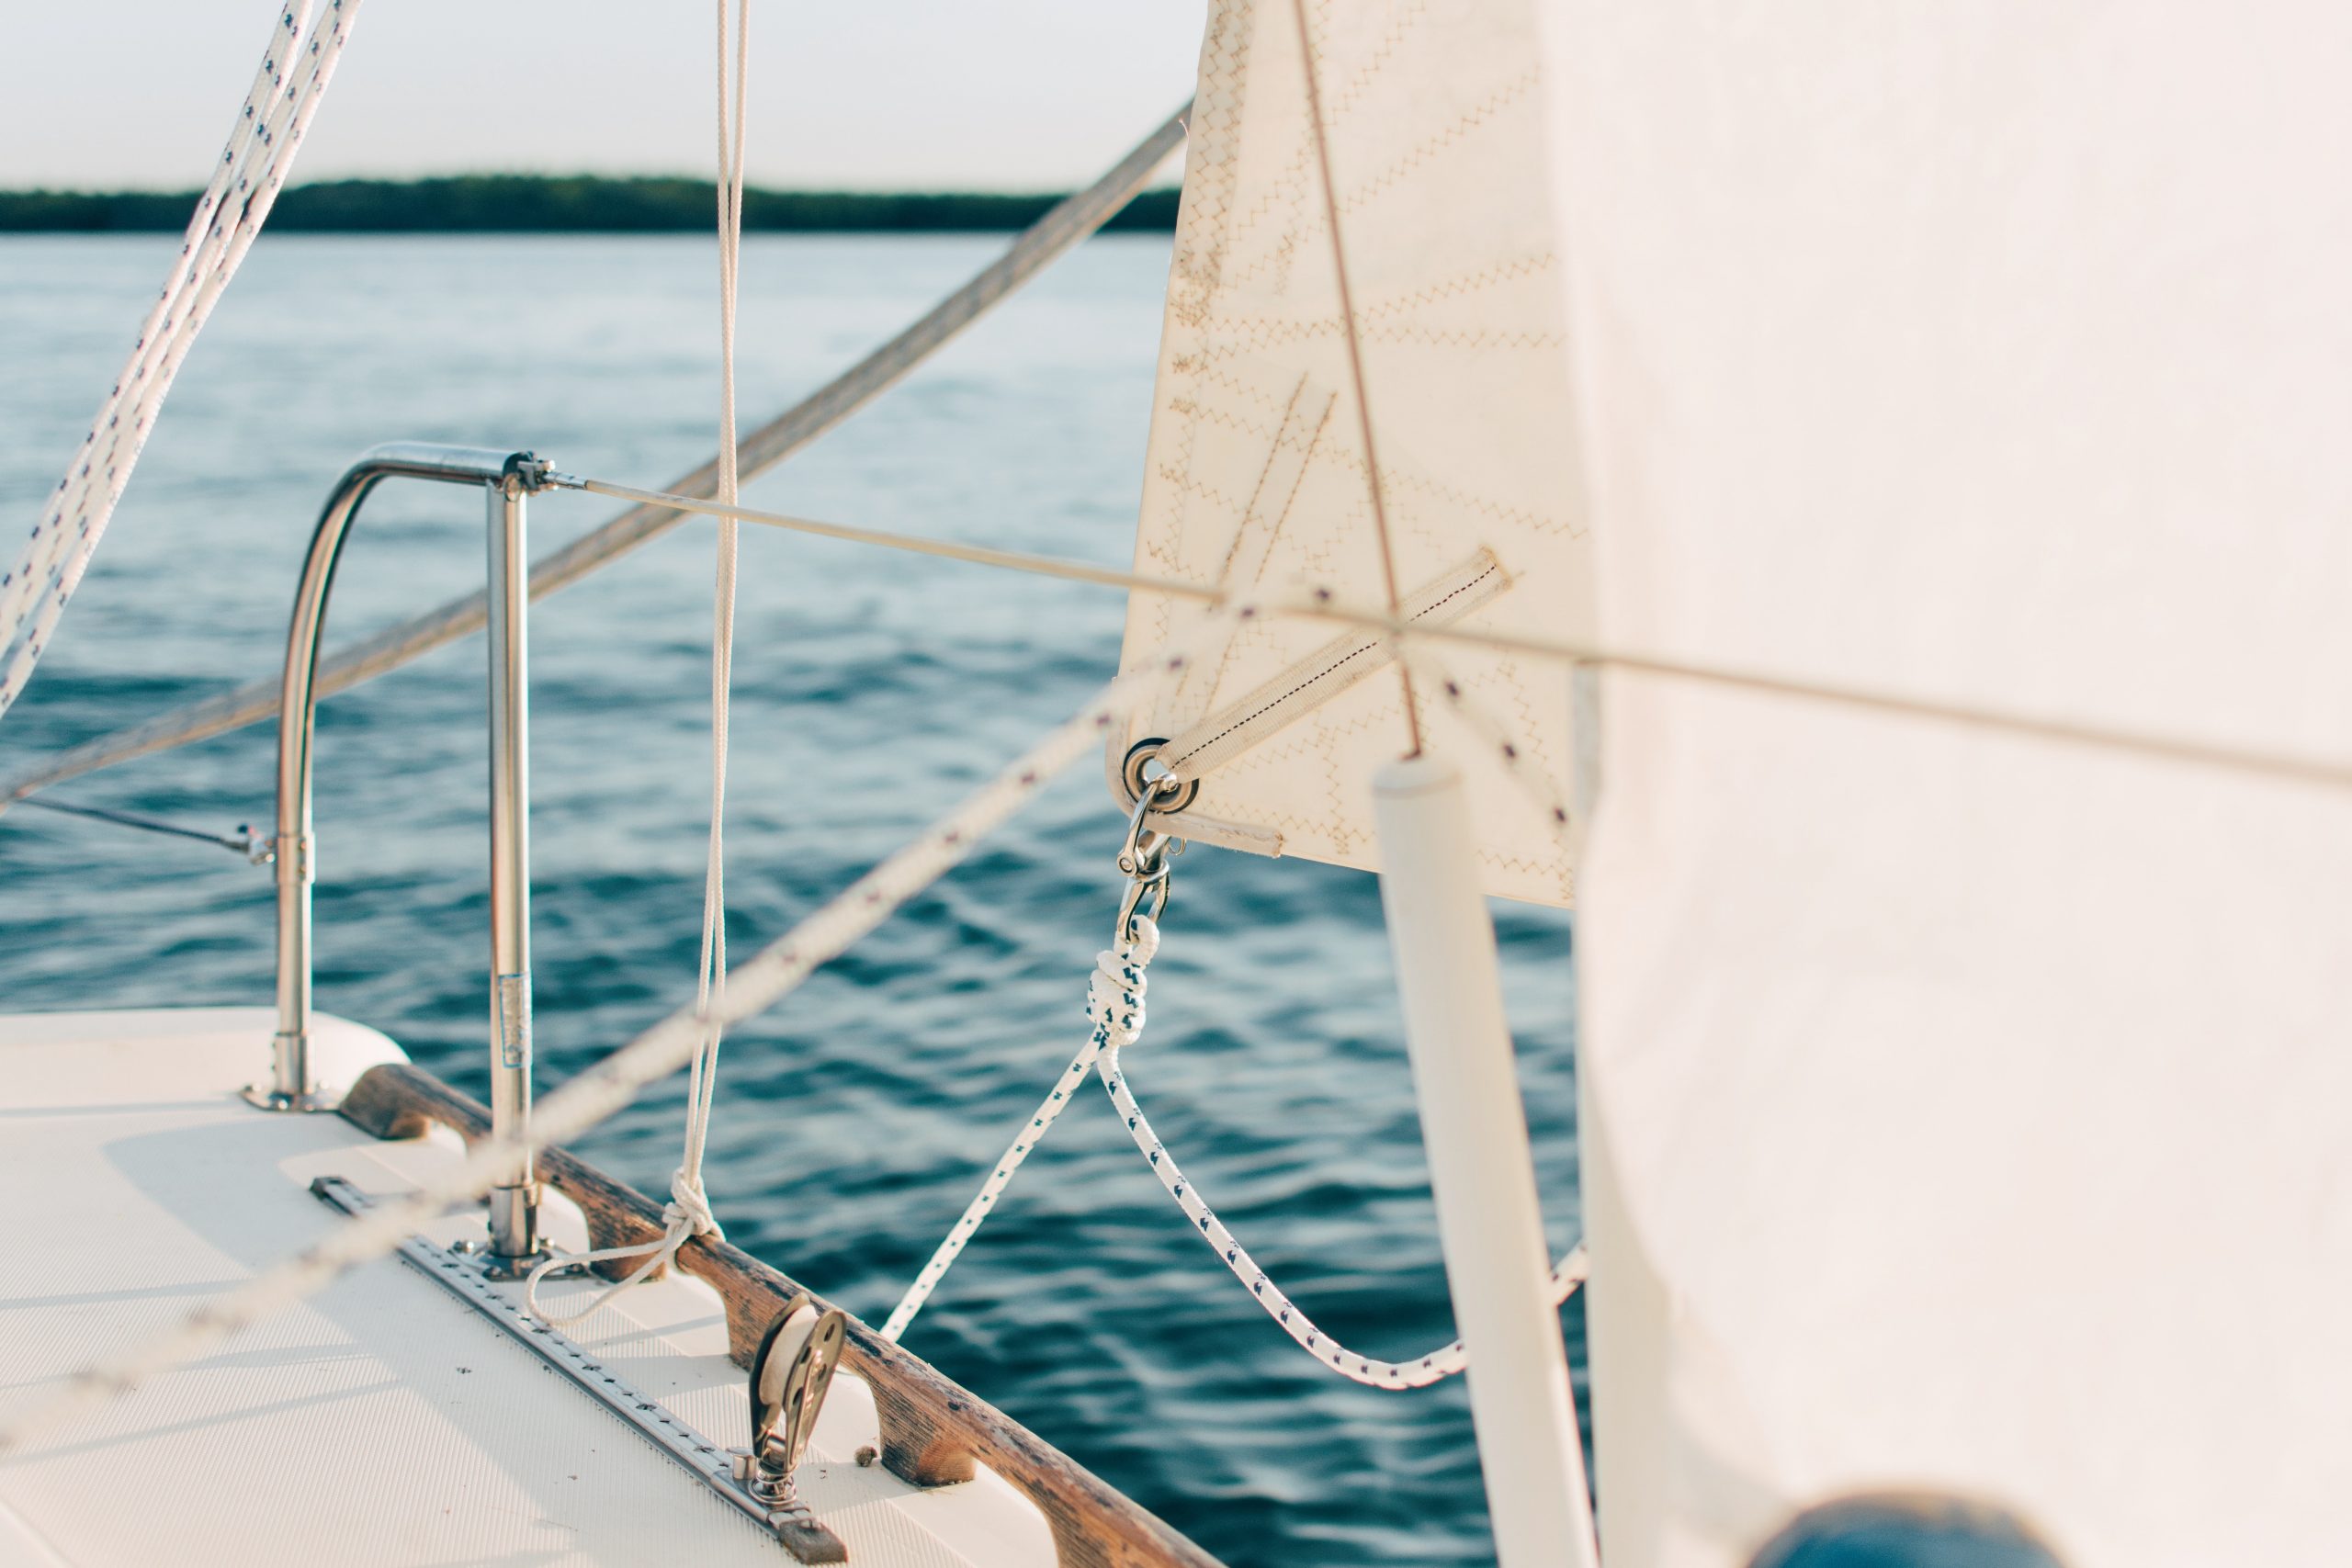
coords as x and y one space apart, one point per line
383 1421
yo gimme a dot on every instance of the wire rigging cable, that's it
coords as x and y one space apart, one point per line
687 1214
247 844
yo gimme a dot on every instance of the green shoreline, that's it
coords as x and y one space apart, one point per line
569 204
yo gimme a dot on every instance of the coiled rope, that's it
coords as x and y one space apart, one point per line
687 1214
286 92
1115 1004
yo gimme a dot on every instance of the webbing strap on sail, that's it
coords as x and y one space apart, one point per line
1293 692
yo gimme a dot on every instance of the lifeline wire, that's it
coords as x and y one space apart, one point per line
149 825
286 92
245 704
688 1211
1319 604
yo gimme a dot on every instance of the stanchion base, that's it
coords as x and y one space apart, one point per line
271 1099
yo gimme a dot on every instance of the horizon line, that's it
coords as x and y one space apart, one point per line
514 202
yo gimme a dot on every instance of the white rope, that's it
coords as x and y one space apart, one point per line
286 91
1115 1000
1437 1365
1116 1003
688 1215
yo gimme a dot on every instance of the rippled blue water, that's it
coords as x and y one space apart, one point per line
855 1119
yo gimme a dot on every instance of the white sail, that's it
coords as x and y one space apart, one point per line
1967 1109
1255 477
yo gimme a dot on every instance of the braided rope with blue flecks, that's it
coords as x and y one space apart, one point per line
1115 1002
1437 1365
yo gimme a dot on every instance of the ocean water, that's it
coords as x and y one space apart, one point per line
856 1117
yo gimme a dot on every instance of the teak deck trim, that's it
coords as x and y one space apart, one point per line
933 1431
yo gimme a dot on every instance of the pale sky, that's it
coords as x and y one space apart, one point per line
889 93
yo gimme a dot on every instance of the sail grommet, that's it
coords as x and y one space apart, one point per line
1134 777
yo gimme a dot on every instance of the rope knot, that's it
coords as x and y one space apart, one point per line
690 1206
1115 994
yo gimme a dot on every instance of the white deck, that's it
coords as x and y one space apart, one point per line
383 1422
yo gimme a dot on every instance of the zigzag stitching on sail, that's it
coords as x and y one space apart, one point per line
1288 443
1428 294
1210 173
1477 117
1335 111
1273 332
1392 477
1356 85
1241 423
1210 372
1502 512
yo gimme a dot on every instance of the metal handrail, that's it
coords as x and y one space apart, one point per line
508 478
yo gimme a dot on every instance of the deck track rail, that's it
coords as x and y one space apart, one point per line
934 1432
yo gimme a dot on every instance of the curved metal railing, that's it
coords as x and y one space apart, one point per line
508 478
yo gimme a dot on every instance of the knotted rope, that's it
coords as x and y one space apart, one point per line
684 1217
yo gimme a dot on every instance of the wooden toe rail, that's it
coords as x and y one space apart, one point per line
933 1431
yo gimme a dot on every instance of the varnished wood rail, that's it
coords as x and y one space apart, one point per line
933 1431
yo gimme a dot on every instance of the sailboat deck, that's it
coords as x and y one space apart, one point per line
383 1420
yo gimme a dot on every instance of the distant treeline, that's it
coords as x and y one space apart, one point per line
572 204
